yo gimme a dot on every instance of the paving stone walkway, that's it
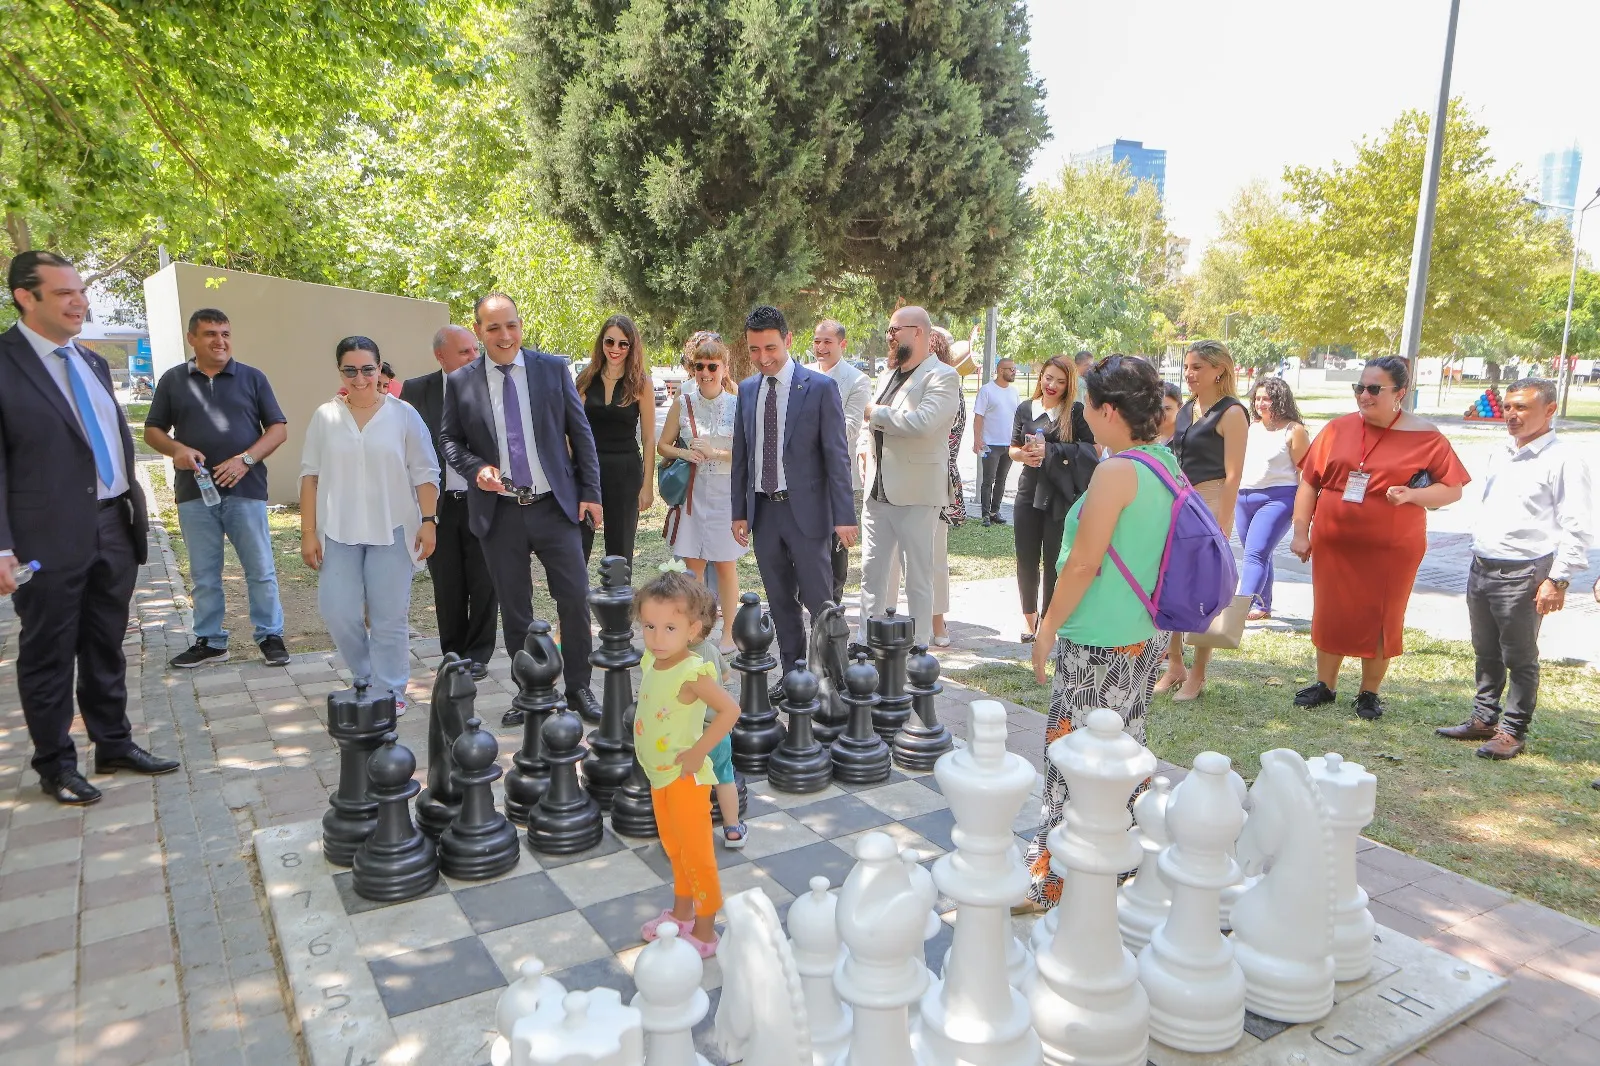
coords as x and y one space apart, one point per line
135 931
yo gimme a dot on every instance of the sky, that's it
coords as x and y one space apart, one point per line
1236 90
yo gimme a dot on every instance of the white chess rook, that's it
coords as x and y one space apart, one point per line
1088 1007
581 1029
882 913
1144 899
1283 926
520 999
1196 988
814 938
974 1015
670 1000
1351 794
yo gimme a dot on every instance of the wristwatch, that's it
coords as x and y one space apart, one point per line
431 518
1561 586
247 459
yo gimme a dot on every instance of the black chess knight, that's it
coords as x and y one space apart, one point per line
609 761
827 653
454 695
357 723
397 861
535 668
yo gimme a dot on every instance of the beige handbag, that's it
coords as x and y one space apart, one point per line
1227 628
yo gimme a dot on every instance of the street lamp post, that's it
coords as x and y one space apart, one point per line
1229 317
1565 380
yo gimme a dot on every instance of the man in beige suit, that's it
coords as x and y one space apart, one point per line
905 446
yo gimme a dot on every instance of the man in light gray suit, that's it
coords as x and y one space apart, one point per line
791 478
905 445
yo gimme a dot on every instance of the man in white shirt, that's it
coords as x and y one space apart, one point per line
463 594
992 415
1531 539
855 389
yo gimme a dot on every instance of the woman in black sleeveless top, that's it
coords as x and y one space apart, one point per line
1208 442
620 401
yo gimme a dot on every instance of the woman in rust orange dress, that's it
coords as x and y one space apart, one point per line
1360 519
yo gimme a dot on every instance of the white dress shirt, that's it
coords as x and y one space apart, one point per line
453 481
367 478
785 379
997 406
855 392
497 401
106 413
1536 502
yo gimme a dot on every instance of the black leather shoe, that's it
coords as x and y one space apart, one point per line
480 671
1315 695
512 718
996 519
776 694
136 759
583 702
857 648
987 522
70 788
1368 705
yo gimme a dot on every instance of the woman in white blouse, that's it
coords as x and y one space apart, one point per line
368 513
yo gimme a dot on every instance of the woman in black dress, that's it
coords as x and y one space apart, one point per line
1055 471
620 401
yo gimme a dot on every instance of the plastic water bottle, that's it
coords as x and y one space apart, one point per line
208 490
21 572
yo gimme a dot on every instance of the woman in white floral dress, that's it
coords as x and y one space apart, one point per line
704 414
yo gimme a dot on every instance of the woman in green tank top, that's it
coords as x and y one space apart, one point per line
1106 650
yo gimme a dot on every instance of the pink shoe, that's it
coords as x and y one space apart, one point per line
648 929
706 948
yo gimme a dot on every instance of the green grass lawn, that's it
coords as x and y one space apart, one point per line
1529 826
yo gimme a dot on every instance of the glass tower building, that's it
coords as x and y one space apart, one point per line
1146 164
1558 181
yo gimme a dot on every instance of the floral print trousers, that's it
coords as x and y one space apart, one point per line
1087 679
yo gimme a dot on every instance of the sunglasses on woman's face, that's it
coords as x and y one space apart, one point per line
1370 390
701 368
365 371
612 342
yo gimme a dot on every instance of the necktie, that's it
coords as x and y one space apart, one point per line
91 422
516 444
769 439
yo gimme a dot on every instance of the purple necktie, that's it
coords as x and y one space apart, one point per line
516 445
769 439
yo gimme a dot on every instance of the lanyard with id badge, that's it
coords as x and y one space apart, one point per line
1355 486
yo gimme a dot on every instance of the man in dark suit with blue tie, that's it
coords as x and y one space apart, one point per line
68 502
514 427
791 478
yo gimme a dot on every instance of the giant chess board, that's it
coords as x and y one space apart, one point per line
418 981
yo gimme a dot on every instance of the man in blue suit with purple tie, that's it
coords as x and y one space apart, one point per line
791 478
514 427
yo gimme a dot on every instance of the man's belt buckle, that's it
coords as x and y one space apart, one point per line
521 493
780 496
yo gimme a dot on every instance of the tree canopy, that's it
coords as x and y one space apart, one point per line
1550 295
1334 266
721 152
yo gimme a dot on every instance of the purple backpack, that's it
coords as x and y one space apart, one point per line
1198 577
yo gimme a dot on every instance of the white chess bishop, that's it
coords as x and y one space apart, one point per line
670 1000
1283 926
1088 1006
1196 988
1144 899
975 1015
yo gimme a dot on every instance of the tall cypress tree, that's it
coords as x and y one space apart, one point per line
721 152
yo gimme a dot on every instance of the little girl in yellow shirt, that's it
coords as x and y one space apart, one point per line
672 742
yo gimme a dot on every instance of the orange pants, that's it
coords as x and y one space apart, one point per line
683 818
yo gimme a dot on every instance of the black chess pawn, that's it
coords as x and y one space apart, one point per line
480 843
454 696
357 723
397 861
535 668
757 732
567 819
609 761
860 757
633 812
800 764
924 739
826 653
890 638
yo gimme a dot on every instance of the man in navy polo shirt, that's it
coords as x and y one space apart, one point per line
219 414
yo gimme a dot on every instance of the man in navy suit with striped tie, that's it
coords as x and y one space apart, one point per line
69 502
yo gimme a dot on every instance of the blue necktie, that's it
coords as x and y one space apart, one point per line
516 444
91 422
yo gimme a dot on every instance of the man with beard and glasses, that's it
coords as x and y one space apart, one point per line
904 446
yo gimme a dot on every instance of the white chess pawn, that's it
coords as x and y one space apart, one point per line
882 915
581 1029
975 1015
670 1000
814 939
1196 988
520 999
1088 1006
1351 794
1144 899
1283 926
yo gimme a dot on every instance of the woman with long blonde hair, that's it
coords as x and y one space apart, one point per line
699 429
620 402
